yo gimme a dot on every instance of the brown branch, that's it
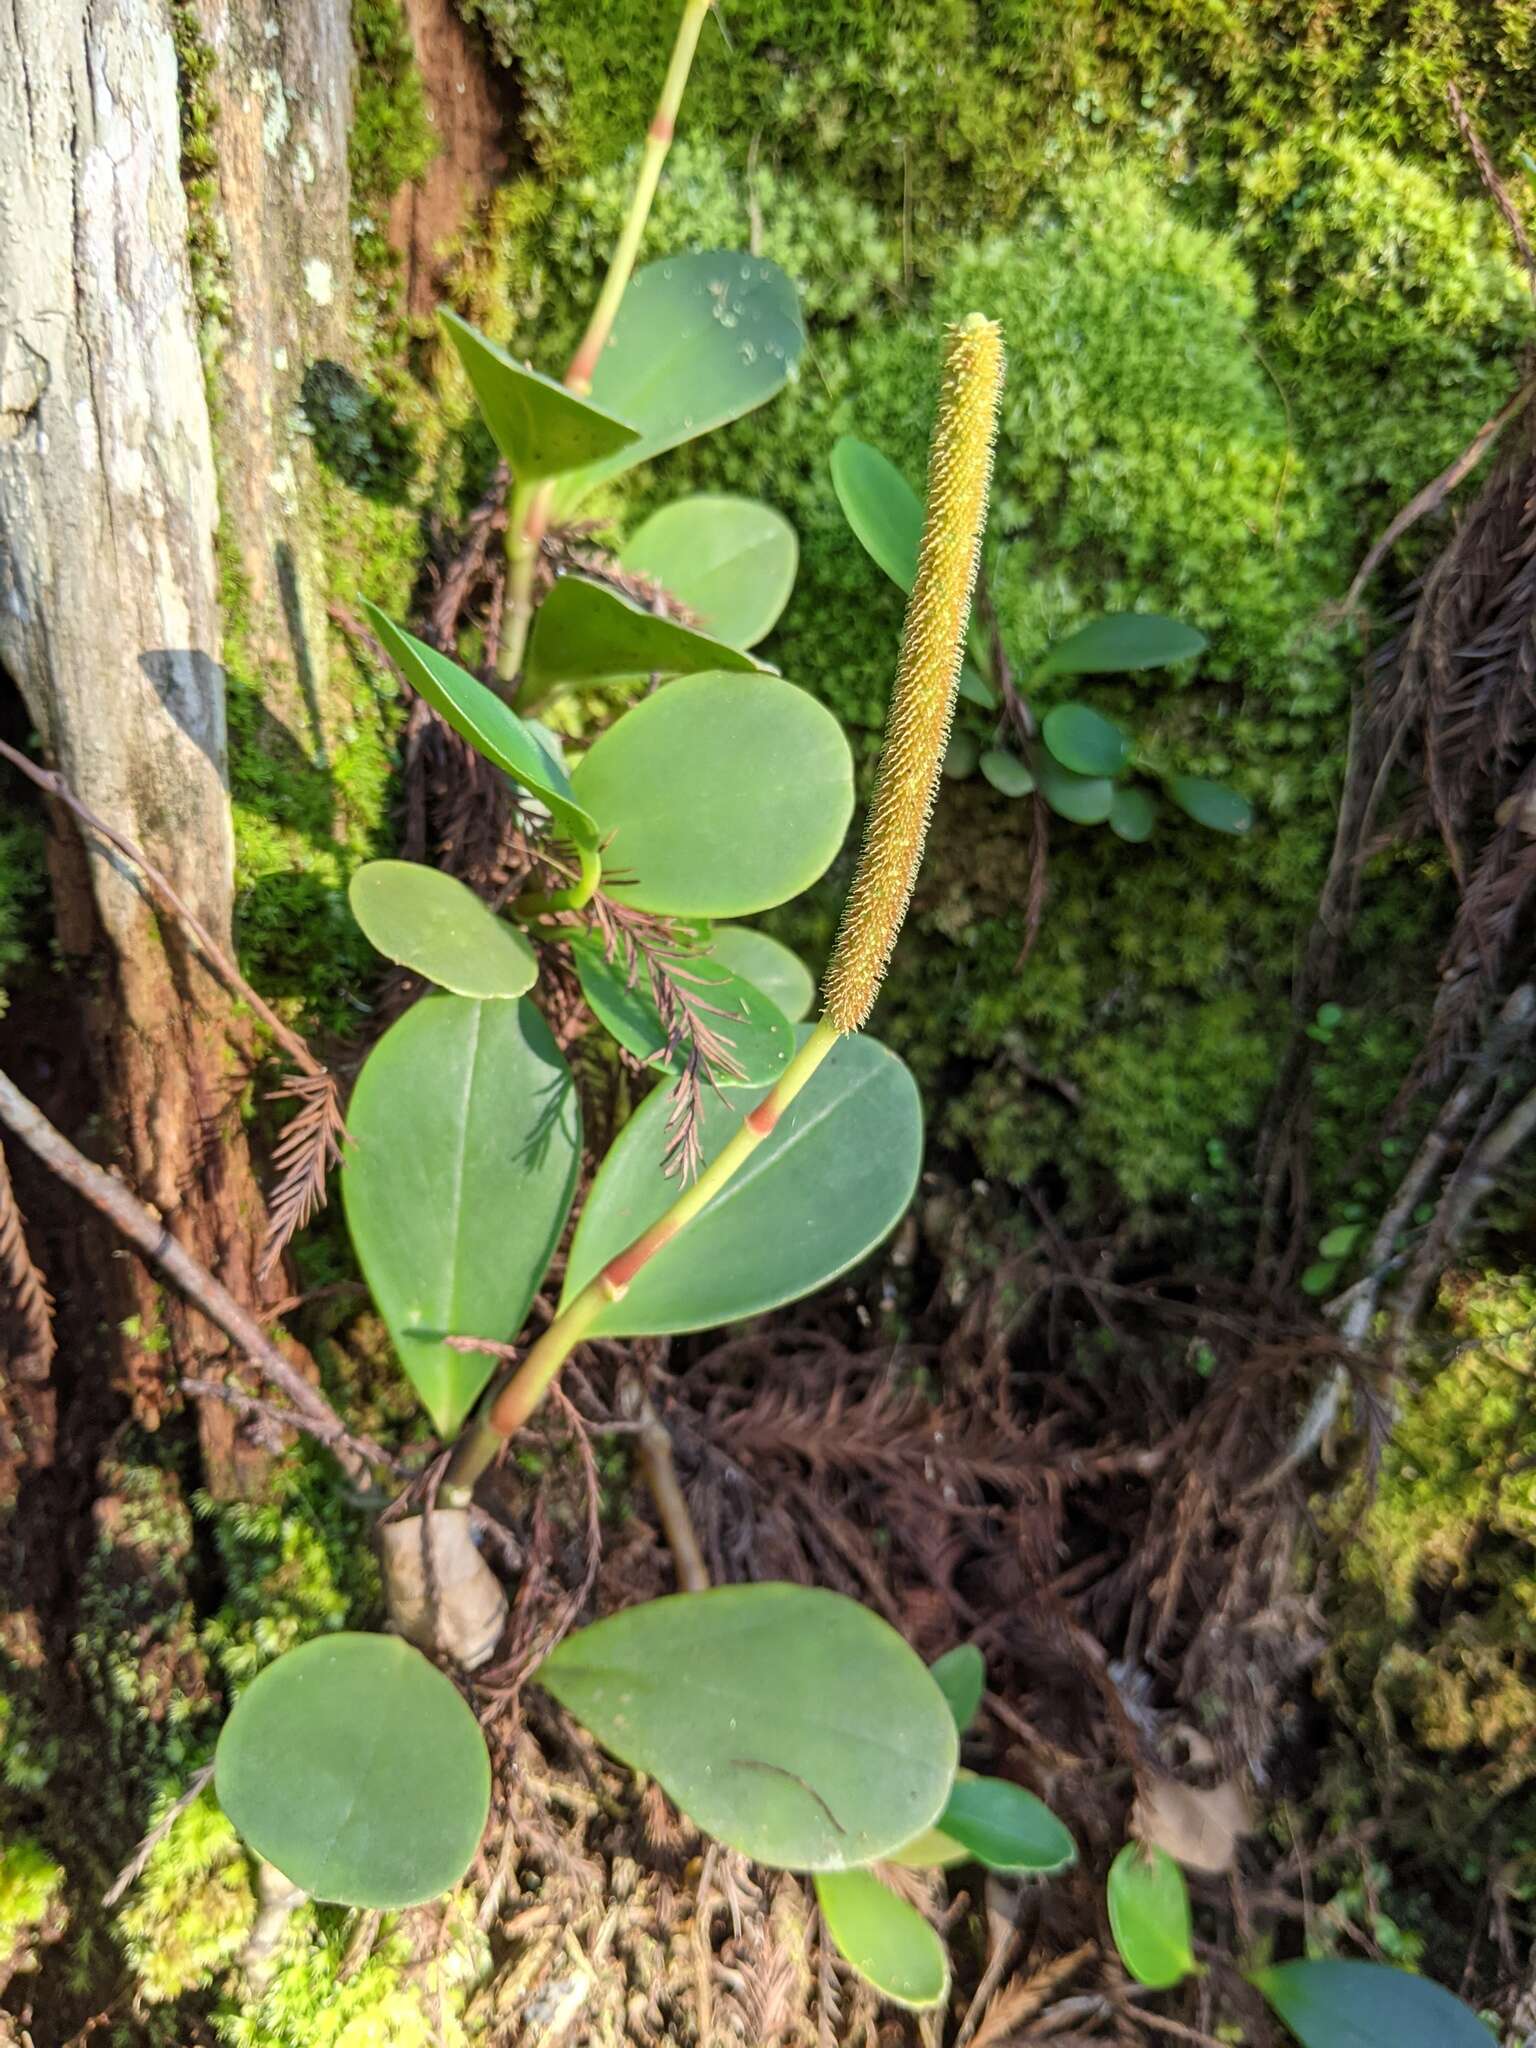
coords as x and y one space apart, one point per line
123 1209
30 1299
134 1867
331 1434
653 1445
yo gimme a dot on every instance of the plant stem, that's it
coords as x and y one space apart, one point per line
516 1401
576 897
525 532
658 141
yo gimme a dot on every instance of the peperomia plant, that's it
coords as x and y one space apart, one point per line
1081 763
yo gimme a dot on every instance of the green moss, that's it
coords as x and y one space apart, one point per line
22 885
190 1913
392 139
30 1884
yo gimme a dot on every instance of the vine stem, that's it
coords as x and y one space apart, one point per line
512 1406
528 515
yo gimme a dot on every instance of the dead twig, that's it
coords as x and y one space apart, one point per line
31 1302
133 1869
653 1448
123 1209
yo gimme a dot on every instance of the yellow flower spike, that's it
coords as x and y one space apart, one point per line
923 699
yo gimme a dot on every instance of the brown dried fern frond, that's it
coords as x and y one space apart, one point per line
307 1150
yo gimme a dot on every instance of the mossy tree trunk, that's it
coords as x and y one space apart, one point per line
109 626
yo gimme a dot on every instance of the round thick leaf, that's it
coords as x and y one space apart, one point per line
1083 741
584 632
1132 816
961 1675
886 514
1149 1916
1082 799
466 1136
887 1941
782 976
832 1180
491 727
975 688
429 922
961 756
1122 641
788 1722
699 340
539 426
1211 804
756 1033
731 561
353 1766
1006 772
719 795
1006 1827
1336 2004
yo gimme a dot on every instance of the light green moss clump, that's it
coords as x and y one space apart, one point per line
31 1904
189 1914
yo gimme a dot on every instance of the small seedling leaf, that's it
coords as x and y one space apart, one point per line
961 1675
830 1183
1149 1916
881 507
1082 799
1133 816
961 756
1123 641
1332 2003
1212 804
788 1722
1006 1827
431 923
975 688
584 632
887 1941
1006 772
1084 741
354 1767
1339 1242
731 561
719 796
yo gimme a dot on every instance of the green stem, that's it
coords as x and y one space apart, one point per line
509 1408
526 517
658 141
576 897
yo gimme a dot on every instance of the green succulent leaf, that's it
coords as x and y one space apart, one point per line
1339 1242
540 427
354 1767
788 1722
1006 1827
731 561
1133 816
961 1675
1319 1277
1211 804
1081 799
1084 741
430 922
466 1137
881 507
491 727
756 1033
1332 2003
975 688
584 632
961 756
1149 1916
719 796
832 1181
782 975
699 341
1120 642
887 1941
1006 772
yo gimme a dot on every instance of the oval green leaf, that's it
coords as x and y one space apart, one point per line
491 727
540 427
466 1136
881 507
1122 641
1006 772
782 975
731 561
584 632
1006 1827
975 688
961 1675
353 1766
788 1722
755 1032
1081 799
1084 741
1132 816
719 795
430 922
887 1941
1212 804
931 1850
833 1179
1332 2003
699 341
1149 1916
961 756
